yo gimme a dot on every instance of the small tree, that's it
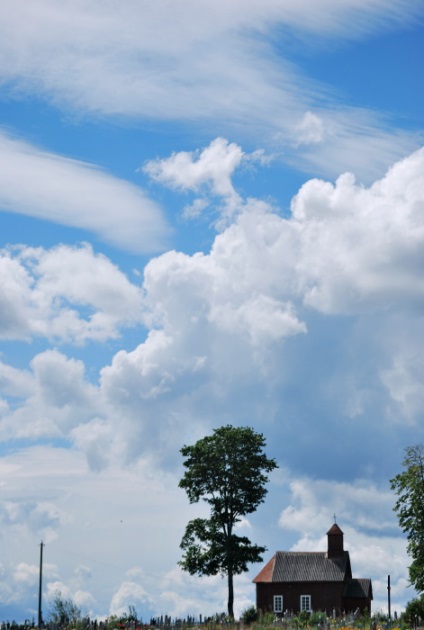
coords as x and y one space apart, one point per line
409 486
64 611
228 471
414 611
250 615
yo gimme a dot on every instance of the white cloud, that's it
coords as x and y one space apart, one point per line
84 600
15 382
195 209
61 398
225 318
76 194
41 517
29 573
310 129
403 375
359 503
128 594
213 166
130 507
361 247
65 293
194 64
240 334
208 171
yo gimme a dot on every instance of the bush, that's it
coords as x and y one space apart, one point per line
249 615
267 618
318 619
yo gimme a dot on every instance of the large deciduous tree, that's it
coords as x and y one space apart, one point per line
409 487
228 470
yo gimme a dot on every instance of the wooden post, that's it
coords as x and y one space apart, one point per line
40 586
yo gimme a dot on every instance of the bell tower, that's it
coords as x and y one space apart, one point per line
335 542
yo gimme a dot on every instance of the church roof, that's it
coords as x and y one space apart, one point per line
335 530
357 588
308 566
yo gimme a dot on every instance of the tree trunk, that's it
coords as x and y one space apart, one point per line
230 595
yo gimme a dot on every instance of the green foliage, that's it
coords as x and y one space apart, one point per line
304 617
228 470
414 610
250 615
409 487
318 618
63 611
267 618
364 619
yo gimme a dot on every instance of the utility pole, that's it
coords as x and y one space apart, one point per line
40 586
388 599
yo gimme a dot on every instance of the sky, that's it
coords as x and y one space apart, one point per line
212 213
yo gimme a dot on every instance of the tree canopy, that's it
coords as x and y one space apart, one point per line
228 470
409 487
63 611
414 612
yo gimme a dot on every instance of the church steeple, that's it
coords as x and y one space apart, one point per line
335 542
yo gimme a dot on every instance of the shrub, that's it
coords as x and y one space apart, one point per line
249 615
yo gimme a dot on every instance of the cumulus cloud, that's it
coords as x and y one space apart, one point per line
361 247
213 166
61 398
223 316
28 573
41 517
77 194
226 317
128 594
403 379
208 171
221 322
65 293
280 310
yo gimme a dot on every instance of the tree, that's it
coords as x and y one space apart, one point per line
409 487
64 612
228 470
414 612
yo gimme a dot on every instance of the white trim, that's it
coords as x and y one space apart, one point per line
305 603
278 604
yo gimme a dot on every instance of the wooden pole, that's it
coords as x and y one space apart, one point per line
40 586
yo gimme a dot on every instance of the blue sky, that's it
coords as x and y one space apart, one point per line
211 213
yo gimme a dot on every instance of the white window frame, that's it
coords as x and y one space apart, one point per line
305 603
278 604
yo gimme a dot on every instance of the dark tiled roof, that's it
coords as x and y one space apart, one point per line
335 530
312 566
358 588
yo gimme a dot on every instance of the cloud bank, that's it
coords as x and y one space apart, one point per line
322 307
208 63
